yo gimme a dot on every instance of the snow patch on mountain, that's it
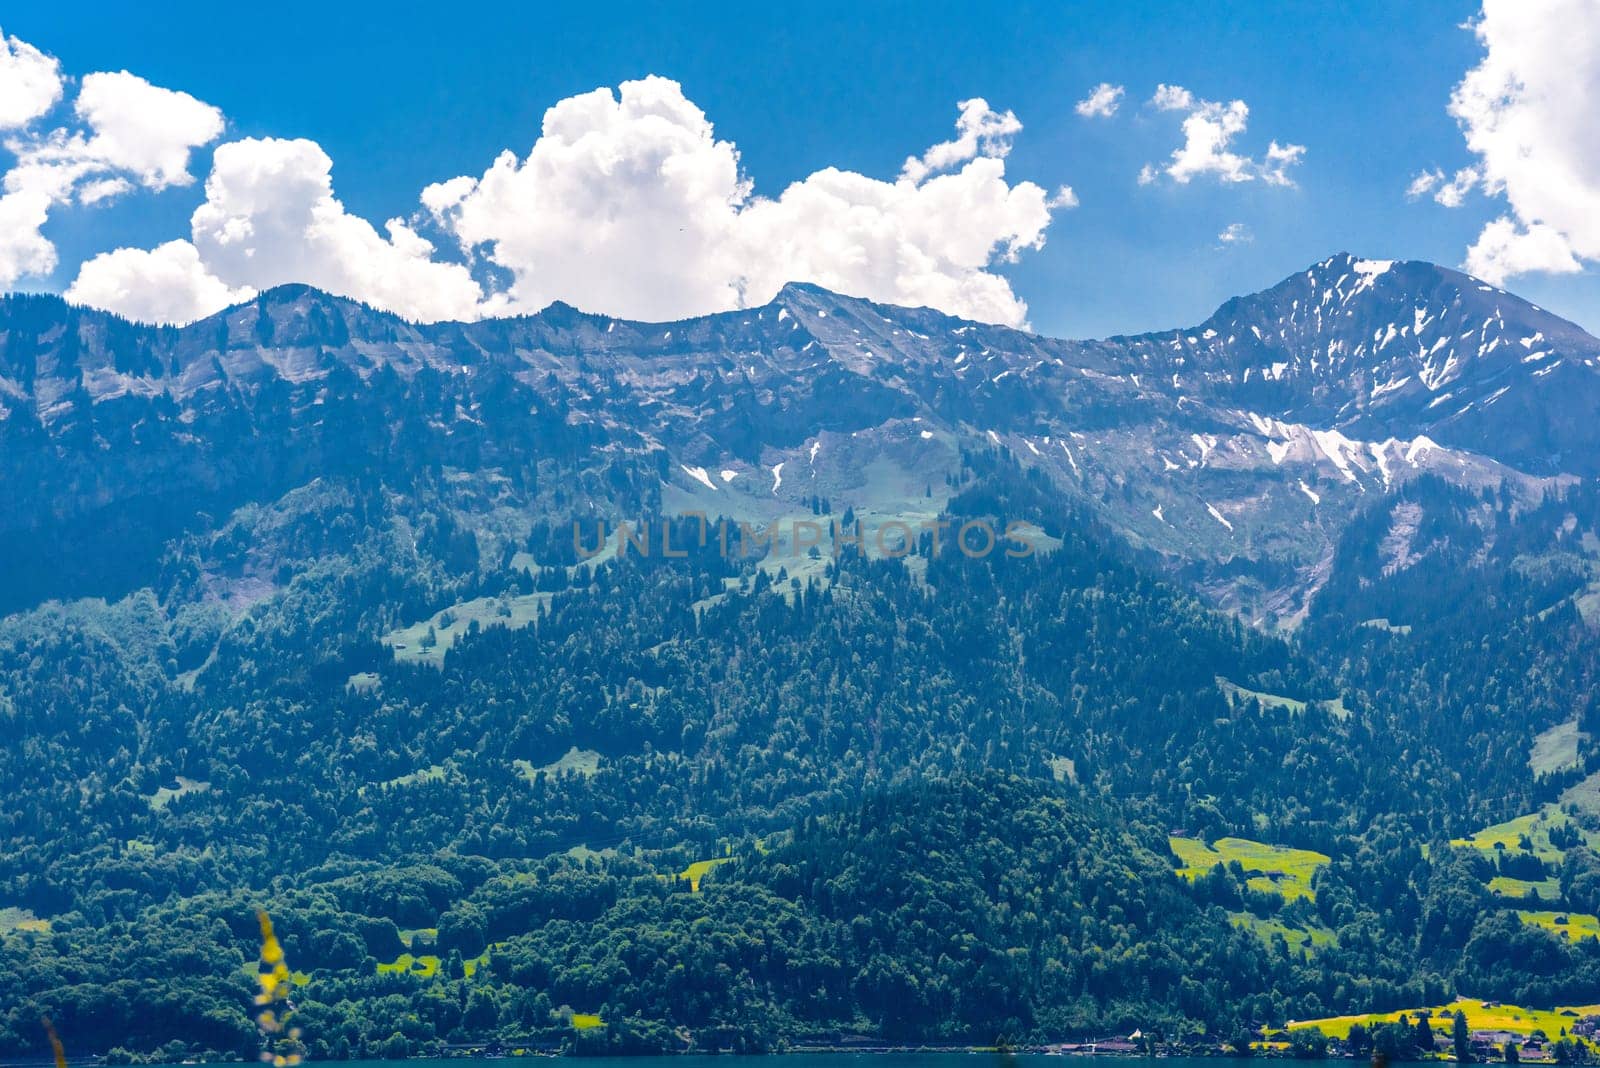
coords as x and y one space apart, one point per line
699 475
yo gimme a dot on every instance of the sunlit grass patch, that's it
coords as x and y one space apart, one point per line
1278 869
434 773
425 966
1535 826
583 852
1298 938
18 919
1237 694
165 795
1573 925
364 682
579 761
1505 886
1511 1018
1556 749
1063 769
1585 794
697 871
427 641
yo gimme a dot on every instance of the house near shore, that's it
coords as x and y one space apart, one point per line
1115 1045
1487 1042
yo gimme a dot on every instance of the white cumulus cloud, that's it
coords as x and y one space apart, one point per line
30 83
1235 234
123 131
626 203
629 204
1451 191
979 129
1507 248
24 249
166 284
1172 98
1526 111
1102 101
1274 167
1209 131
143 129
270 218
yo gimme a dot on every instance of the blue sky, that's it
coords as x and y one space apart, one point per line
403 96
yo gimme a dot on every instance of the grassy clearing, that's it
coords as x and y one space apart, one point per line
583 762
803 568
1511 1018
363 682
1042 543
168 794
1536 826
1586 600
427 965
585 1021
1585 794
1298 938
729 585
1556 749
1505 886
15 919
696 871
436 773
185 679
412 645
583 852
1237 695
1588 603
1278 869
1575 926
428 935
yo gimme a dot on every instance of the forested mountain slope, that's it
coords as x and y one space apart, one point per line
300 615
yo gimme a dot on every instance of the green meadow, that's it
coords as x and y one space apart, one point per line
1575 926
1274 869
427 641
583 762
1310 939
1481 1016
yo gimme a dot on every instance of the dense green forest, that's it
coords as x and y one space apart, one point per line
937 796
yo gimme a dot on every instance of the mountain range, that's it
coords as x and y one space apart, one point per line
1288 713
1235 448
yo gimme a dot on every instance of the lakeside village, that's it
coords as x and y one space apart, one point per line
1509 1035
1412 1036
1466 1030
